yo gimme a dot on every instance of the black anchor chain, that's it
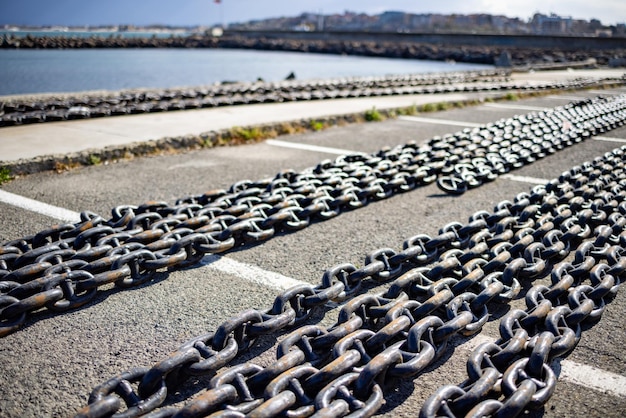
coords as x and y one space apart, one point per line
18 112
63 267
571 230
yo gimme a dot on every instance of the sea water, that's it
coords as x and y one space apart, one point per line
27 71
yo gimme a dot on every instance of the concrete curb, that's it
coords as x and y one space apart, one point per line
169 145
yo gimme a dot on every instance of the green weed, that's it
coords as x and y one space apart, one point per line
94 160
373 115
407 111
5 175
317 125
247 134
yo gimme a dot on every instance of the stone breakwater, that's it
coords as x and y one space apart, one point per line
519 56
37 109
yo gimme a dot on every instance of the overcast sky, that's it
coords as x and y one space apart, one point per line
207 12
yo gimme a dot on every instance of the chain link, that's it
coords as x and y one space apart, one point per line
569 230
17 112
61 268
443 285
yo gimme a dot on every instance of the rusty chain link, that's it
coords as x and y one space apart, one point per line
64 266
571 230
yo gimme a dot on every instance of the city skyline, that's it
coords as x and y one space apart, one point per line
211 12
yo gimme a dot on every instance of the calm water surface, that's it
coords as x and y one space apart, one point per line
71 70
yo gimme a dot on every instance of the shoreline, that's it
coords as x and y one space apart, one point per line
506 56
102 93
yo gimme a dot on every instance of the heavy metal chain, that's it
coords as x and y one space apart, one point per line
513 374
14 112
17 112
63 267
571 229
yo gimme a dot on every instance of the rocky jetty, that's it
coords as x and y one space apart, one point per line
397 49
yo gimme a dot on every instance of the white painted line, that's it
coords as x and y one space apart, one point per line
307 147
594 378
39 207
608 92
247 272
525 179
571 371
608 139
512 106
440 121
250 273
568 98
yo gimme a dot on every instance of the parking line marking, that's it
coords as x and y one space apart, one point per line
571 371
250 273
515 107
525 179
440 121
558 96
608 139
39 207
603 92
244 271
308 147
592 377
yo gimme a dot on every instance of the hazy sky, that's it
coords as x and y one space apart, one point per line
207 12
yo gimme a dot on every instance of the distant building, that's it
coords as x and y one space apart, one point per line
303 27
551 25
397 21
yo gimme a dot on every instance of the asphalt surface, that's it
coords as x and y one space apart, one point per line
33 140
49 367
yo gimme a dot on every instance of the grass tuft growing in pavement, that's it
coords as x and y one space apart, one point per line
94 160
317 125
5 175
407 111
247 134
67 165
373 115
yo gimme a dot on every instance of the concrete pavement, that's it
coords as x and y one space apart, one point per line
49 367
35 140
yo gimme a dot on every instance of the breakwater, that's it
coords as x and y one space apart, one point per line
519 51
